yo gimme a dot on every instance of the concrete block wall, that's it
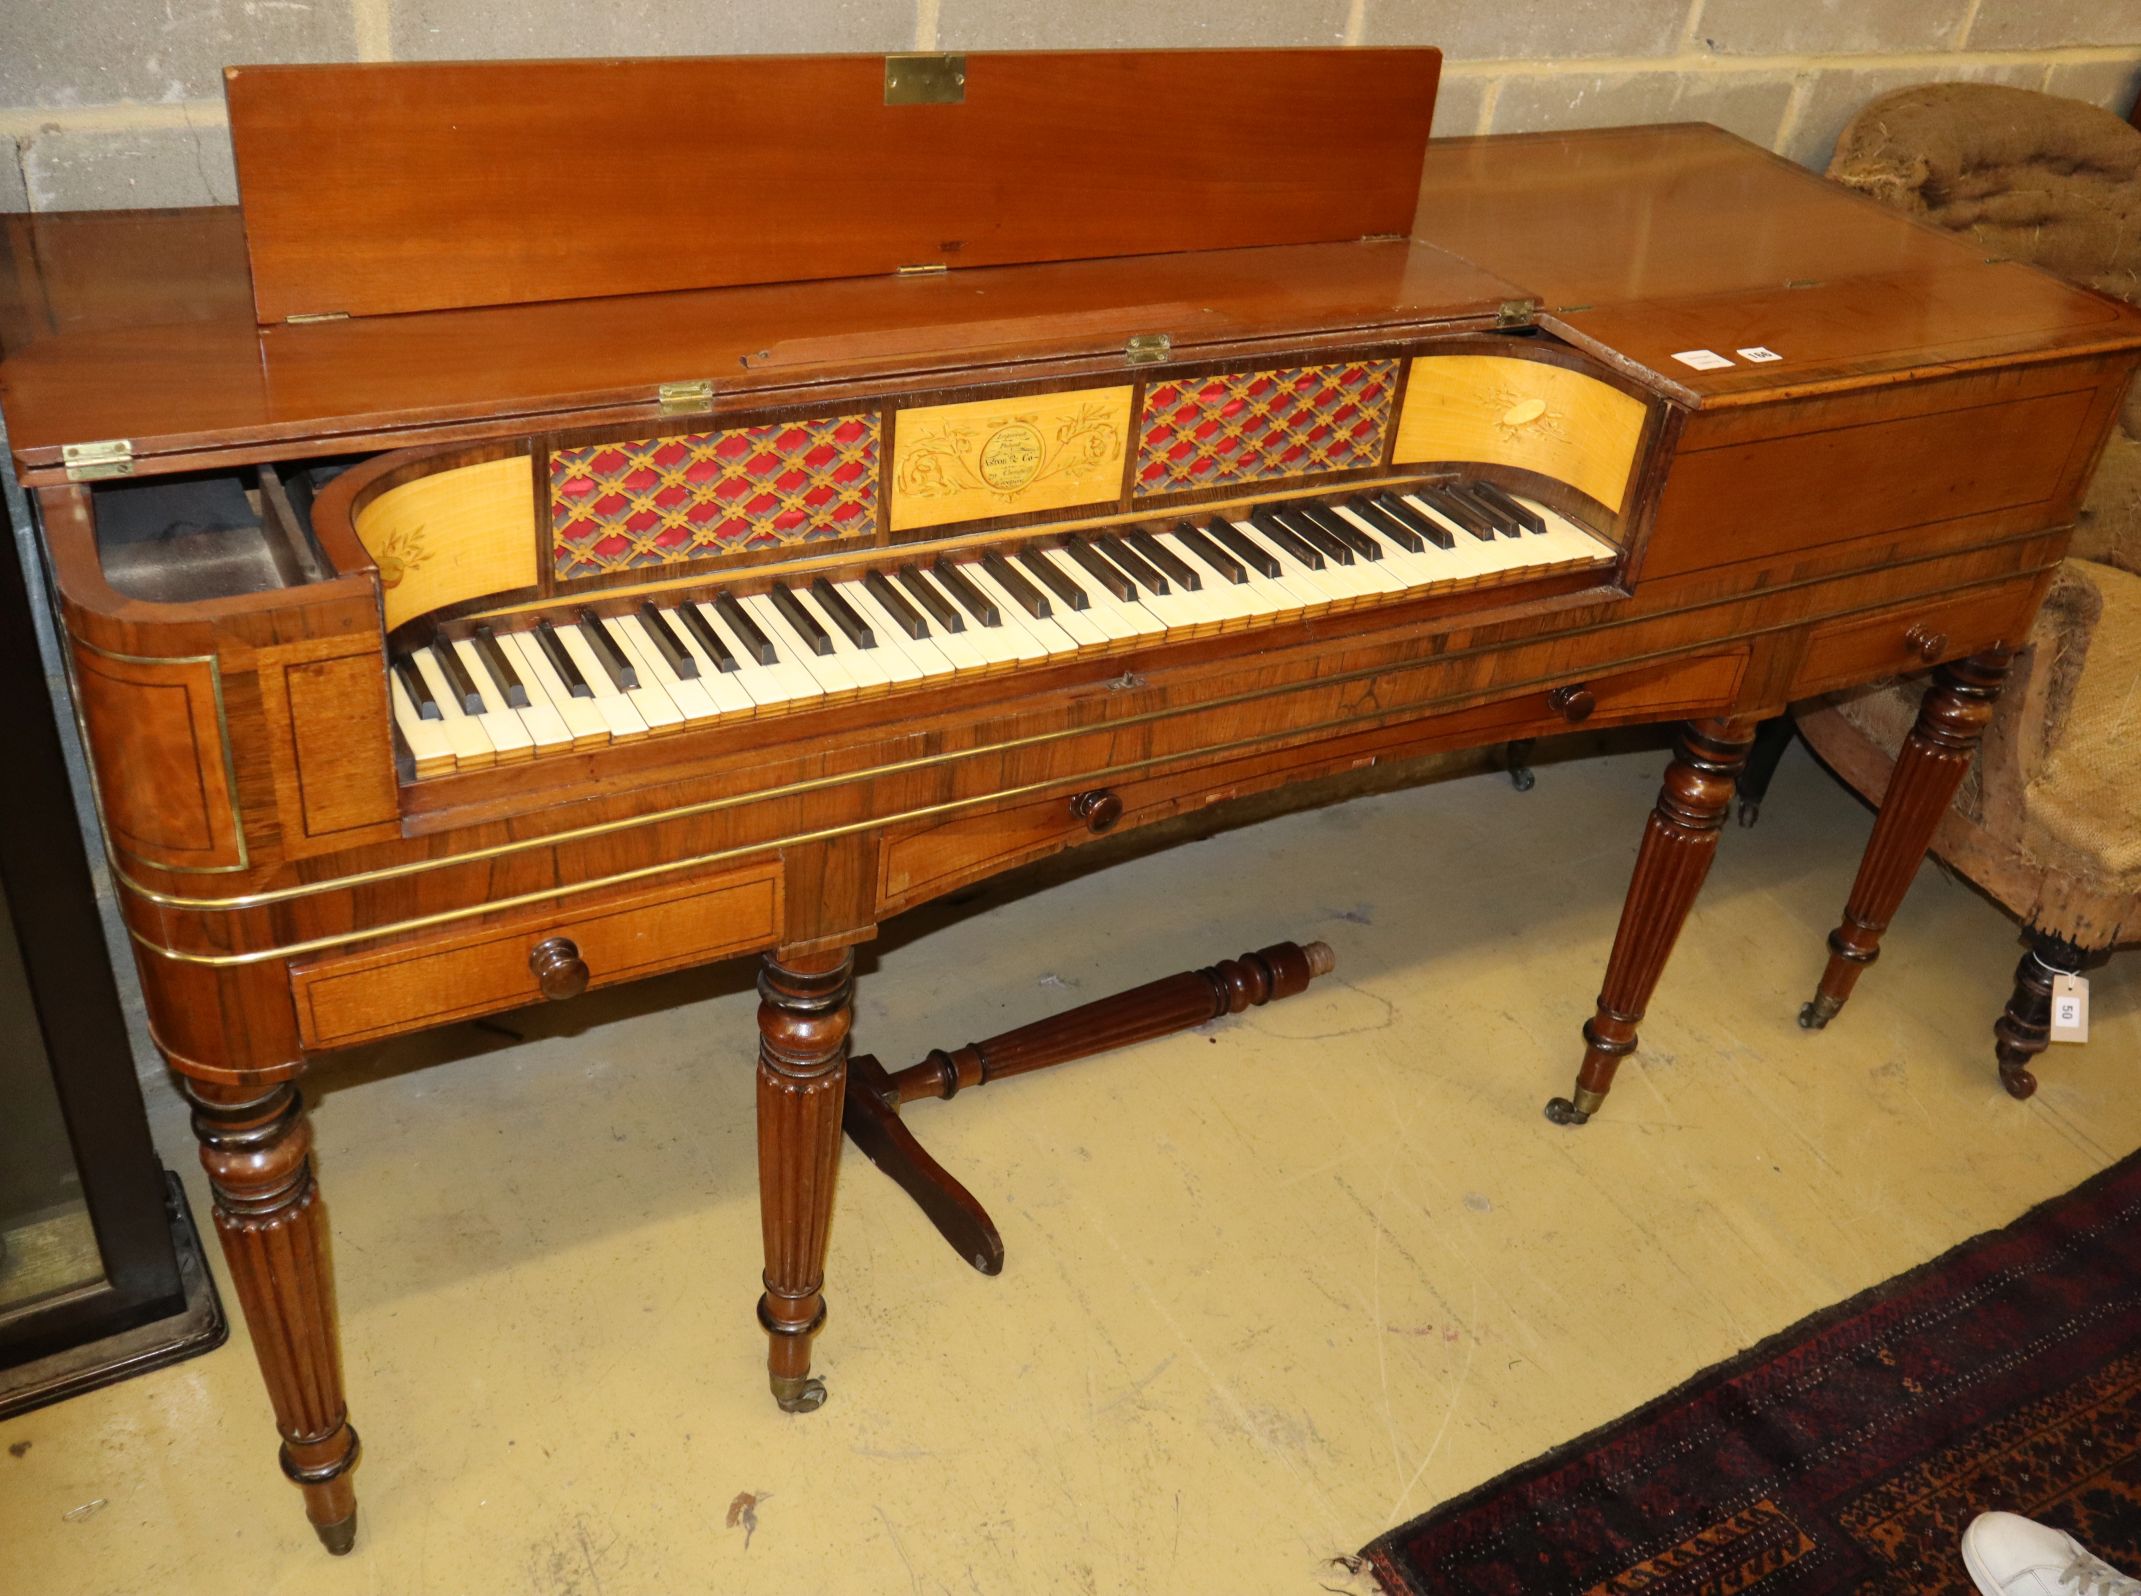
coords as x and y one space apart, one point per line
119 102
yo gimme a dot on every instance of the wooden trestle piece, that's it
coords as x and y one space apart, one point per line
1142 1014
614 610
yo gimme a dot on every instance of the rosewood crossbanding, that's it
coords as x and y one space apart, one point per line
625 630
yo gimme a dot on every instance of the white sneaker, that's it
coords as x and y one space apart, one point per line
2009 1555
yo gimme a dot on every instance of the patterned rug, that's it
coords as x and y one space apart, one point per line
1847 1453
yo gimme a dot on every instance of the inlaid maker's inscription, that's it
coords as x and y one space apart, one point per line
992 457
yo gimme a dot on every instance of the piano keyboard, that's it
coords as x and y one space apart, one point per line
580 680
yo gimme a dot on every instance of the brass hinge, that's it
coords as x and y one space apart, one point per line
93 462
680 397
1515 312
315 315
1381 238
925 79
936 270
1146 349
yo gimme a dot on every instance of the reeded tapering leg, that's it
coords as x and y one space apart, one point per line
1678 844
257 1147
804 1013
2025 1030
1929 767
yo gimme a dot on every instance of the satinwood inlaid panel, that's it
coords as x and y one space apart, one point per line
450 536
667 501
1254 426
994 457
1532 415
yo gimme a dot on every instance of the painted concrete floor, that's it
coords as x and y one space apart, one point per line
1270 1290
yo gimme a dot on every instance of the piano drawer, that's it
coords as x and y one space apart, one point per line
1911 637
921 861
460 973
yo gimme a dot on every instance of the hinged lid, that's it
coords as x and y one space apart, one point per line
399 186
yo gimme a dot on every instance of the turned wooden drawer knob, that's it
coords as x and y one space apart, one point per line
1925 642
1099 809
559 969
1572 703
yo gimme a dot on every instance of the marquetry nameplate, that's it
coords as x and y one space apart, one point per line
669 501
998 457
1529 414
1254 426
450 536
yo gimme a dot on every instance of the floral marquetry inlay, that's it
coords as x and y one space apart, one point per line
1251 426
666 501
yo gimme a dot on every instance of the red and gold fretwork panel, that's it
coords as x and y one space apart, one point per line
664 501
1250 426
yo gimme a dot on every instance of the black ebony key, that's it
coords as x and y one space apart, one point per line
458 681
1454 509
1134 565
797 614
561 660
1164 560
1052 576
842 613
889 598
1337 526
927 594
1386 524
510 687
1023 593
1286 540
708 637
964 593
427 707
1427 526
608 652
1093 564
1525 516
1507 525
745 630
1210 553
668 643
1247 550
1335 550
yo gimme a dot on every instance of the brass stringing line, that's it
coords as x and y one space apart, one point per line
774 844
858 554
924 761
1483 695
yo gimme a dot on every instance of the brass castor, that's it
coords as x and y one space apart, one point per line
1563 1112
1818 1011
339 1537
798 1394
